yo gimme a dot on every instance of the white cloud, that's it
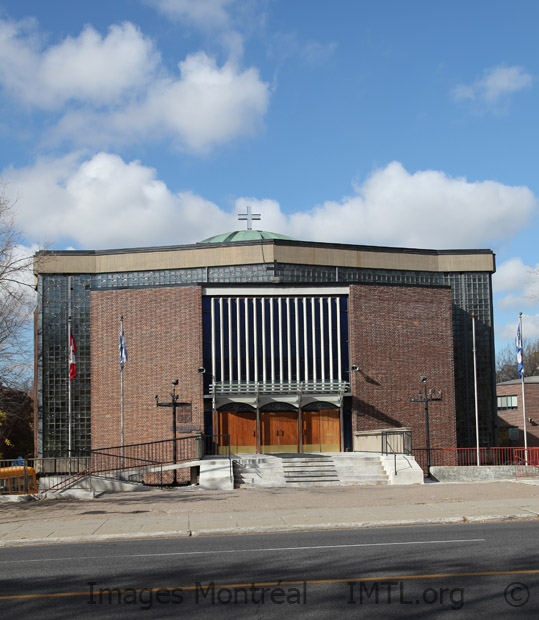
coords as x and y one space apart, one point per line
215 18
112 90
89 68
315 53
510 276
206 106
530 328
200 13
496 83
424 209
287 45
520 281
105 202
18 281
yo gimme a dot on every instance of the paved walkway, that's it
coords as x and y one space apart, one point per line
192 512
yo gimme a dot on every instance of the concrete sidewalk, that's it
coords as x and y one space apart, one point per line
190 511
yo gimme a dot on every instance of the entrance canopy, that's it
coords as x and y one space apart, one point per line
286 416
258 394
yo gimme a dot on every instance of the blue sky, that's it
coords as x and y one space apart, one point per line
152 122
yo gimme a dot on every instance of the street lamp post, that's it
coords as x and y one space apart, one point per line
353 368
426 398
174 404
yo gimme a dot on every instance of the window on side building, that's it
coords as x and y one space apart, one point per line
507 402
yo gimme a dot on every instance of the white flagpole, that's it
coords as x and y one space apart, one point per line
523 395
69 412
475 389
69 390
122 384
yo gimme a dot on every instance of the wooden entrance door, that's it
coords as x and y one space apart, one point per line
241 426
310 431
330 431
279 431
321 431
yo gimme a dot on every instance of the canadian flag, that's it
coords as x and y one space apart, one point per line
72 351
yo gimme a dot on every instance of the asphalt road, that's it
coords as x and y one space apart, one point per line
471 570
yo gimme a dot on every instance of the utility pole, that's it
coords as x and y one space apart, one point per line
427 397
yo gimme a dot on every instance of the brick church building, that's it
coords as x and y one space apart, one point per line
285 345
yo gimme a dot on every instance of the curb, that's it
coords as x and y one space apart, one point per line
266 529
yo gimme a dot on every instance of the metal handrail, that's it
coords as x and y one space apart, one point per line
218 443
406 441
69 481
146 455
145 443
190 448
406 437
526 462
466 457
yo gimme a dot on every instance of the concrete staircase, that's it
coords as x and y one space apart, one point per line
308 470
258 470
356 469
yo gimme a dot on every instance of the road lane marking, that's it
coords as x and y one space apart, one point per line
280 583
269 549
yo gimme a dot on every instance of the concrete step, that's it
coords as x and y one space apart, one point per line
313 483
305 459
378 471
258 472
309 471
363 479
269 467
305 470
311 475
359 469
307 465
357 461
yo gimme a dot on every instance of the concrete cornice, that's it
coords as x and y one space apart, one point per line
288 252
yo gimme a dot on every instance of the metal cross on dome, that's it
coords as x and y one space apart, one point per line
249 216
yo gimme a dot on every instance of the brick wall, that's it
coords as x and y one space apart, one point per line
163 332
398 334
513 417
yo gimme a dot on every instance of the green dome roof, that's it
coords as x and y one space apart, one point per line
245 235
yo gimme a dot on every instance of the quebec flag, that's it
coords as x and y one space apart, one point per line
122 349
519 353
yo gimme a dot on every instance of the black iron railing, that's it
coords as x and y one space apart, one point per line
396 442
150 462
219 445
188 448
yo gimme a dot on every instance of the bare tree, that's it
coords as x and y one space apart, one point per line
506 361
17 299
16 423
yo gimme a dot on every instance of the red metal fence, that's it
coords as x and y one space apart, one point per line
526 462
452 457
